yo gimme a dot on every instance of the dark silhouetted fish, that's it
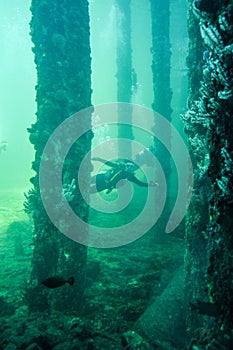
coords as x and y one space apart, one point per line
57 281
208 309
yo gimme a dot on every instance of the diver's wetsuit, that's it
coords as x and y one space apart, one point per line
109 179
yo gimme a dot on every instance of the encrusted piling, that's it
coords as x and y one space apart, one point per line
209 125
60 33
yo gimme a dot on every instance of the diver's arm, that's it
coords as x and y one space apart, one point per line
141 183
138 182
107 162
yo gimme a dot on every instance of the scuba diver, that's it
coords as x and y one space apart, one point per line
3 146
120 170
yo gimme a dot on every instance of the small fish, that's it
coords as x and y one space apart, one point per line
208 309
56 281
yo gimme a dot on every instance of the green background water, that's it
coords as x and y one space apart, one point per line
18 75
120 282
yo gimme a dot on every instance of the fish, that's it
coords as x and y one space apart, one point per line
208 309
57 281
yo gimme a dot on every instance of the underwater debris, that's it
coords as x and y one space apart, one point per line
57 281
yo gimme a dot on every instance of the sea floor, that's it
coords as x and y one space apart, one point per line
121 284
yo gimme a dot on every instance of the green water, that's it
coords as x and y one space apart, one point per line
121 282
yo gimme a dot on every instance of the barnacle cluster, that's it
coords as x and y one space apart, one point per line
68 191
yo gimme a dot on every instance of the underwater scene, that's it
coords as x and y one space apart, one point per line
116 187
